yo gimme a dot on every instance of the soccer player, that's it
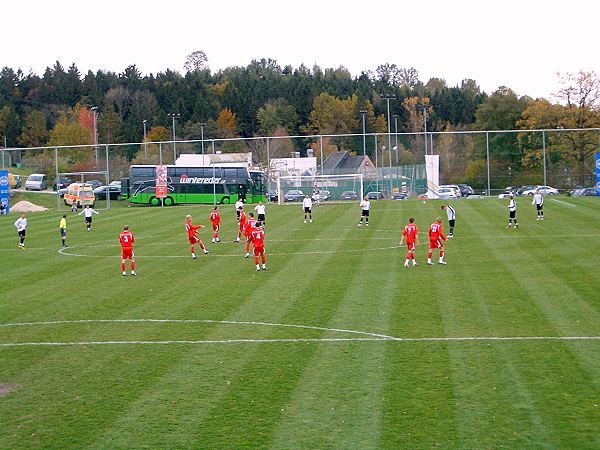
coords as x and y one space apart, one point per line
411 233
365 205
451 219
88 212
512 212
126 239
436 236
239 204
193 236
241 223
258 243
260 210
215 219
307 204
62 226
248 227
21 224
538 201
316 195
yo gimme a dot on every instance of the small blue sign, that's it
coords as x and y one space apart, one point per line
598 174
4 197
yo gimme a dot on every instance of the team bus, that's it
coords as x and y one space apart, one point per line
219 184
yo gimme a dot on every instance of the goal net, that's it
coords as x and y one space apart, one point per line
321 188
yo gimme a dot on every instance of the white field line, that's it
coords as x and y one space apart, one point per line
563 203
370 336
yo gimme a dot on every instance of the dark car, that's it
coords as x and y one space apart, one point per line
94 183
586 192
114 192
466 190
294 195
272 196
400 196
374 195
348 195
61 183
325 195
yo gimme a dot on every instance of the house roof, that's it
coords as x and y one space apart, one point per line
342 162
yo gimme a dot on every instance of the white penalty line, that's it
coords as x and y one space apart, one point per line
563 203
301 340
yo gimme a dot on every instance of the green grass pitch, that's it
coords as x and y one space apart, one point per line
336 345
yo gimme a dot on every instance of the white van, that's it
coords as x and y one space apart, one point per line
36 182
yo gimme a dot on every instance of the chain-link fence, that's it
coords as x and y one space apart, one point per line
489 161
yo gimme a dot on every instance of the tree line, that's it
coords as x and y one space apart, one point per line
265 99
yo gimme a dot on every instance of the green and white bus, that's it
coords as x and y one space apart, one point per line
200 185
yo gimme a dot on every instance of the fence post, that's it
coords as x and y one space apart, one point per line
321 146
107 180
56 168
544 148
487 152
160 153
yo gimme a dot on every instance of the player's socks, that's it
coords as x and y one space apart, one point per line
213 240
429 261
257 268
124 274
133 273
123 268
367 223
193 256
359 224
442 262
406 263
310 220
415 263
206 252
264 267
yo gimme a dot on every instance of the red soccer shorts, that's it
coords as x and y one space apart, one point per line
127 253
215 227
259 250
411 246
193 239
435 244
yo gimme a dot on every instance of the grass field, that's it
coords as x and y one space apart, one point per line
337 345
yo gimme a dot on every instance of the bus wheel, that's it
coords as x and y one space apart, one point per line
154 201
169 201
225 201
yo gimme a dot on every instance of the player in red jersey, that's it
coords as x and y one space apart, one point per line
248 227
241 223
411 233
215 219
126 239
193 236
436 236
258 242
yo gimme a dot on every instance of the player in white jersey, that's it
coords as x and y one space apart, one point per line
88 212
260 211
21 224
307 204
365 206
512 212
239 204
451 218
538 201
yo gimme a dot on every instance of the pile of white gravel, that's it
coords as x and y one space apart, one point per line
23 206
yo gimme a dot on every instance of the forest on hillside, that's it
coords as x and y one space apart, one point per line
264 99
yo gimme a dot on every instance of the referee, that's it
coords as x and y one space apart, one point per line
451 218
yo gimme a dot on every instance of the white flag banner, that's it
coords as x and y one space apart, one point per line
432 166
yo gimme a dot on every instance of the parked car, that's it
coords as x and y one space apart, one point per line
447 192
14 181
272 196
466 190
293 195
94 183
375 195
114 192
586 192
349 195
525 188
325 195
36 182
399 196
61 183
80 194
454 187
507 192
62 192
544 190
115 183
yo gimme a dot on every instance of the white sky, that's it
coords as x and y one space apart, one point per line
520 44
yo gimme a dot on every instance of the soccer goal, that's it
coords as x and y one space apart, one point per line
321 188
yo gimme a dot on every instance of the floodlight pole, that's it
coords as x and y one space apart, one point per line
145 140
363 113
202 135
174 116
95 111
56 167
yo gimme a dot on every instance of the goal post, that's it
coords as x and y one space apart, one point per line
321 188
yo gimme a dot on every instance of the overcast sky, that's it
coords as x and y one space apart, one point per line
519 44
